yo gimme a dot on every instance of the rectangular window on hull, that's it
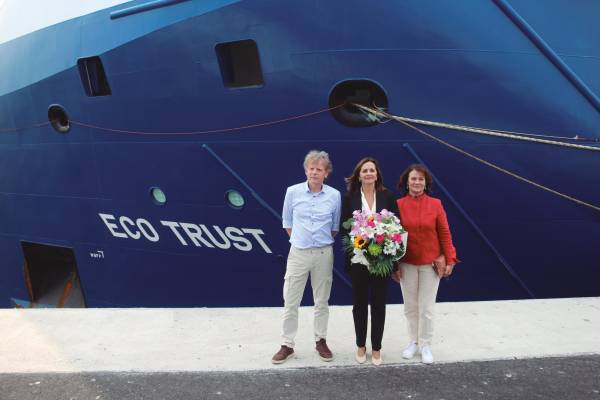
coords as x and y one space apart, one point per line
239 63
93 76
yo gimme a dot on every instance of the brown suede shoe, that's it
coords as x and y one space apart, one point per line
323 350
282 355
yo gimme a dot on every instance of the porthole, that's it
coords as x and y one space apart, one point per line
235 199
58 118
158 196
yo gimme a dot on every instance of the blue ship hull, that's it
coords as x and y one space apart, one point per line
472 64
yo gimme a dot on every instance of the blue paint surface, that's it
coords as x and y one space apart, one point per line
444 61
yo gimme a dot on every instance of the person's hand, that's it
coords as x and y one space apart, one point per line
397 275
449 269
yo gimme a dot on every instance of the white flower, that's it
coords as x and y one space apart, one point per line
359 257
368 232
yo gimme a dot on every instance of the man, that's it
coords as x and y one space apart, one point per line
311 217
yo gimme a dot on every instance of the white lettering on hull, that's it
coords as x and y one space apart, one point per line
198 235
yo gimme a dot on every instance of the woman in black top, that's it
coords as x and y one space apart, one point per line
366 192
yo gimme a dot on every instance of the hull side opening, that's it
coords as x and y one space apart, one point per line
59 119
51 276
350 92
93 77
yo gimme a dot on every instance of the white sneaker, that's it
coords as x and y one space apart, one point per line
410 351
426 355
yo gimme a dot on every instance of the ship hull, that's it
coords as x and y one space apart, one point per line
89 190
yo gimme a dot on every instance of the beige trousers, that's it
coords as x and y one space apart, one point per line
318 263
419 285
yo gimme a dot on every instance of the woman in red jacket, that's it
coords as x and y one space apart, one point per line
429 238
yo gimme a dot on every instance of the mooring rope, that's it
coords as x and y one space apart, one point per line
489 164
489 132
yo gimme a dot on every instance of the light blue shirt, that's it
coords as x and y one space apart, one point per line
311 216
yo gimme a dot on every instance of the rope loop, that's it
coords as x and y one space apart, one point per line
221 130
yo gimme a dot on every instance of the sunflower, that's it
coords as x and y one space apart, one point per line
359 242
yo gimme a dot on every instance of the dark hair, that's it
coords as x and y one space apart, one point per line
353 183
403 182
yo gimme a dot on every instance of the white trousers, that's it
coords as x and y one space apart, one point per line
419 285
318 262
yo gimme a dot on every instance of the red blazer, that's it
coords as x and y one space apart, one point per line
428 232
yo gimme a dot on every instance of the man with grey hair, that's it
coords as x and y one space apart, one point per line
311 217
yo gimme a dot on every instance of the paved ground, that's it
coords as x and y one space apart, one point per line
548 349
212 339
569 378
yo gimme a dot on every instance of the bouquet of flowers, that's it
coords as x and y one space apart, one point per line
375 240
